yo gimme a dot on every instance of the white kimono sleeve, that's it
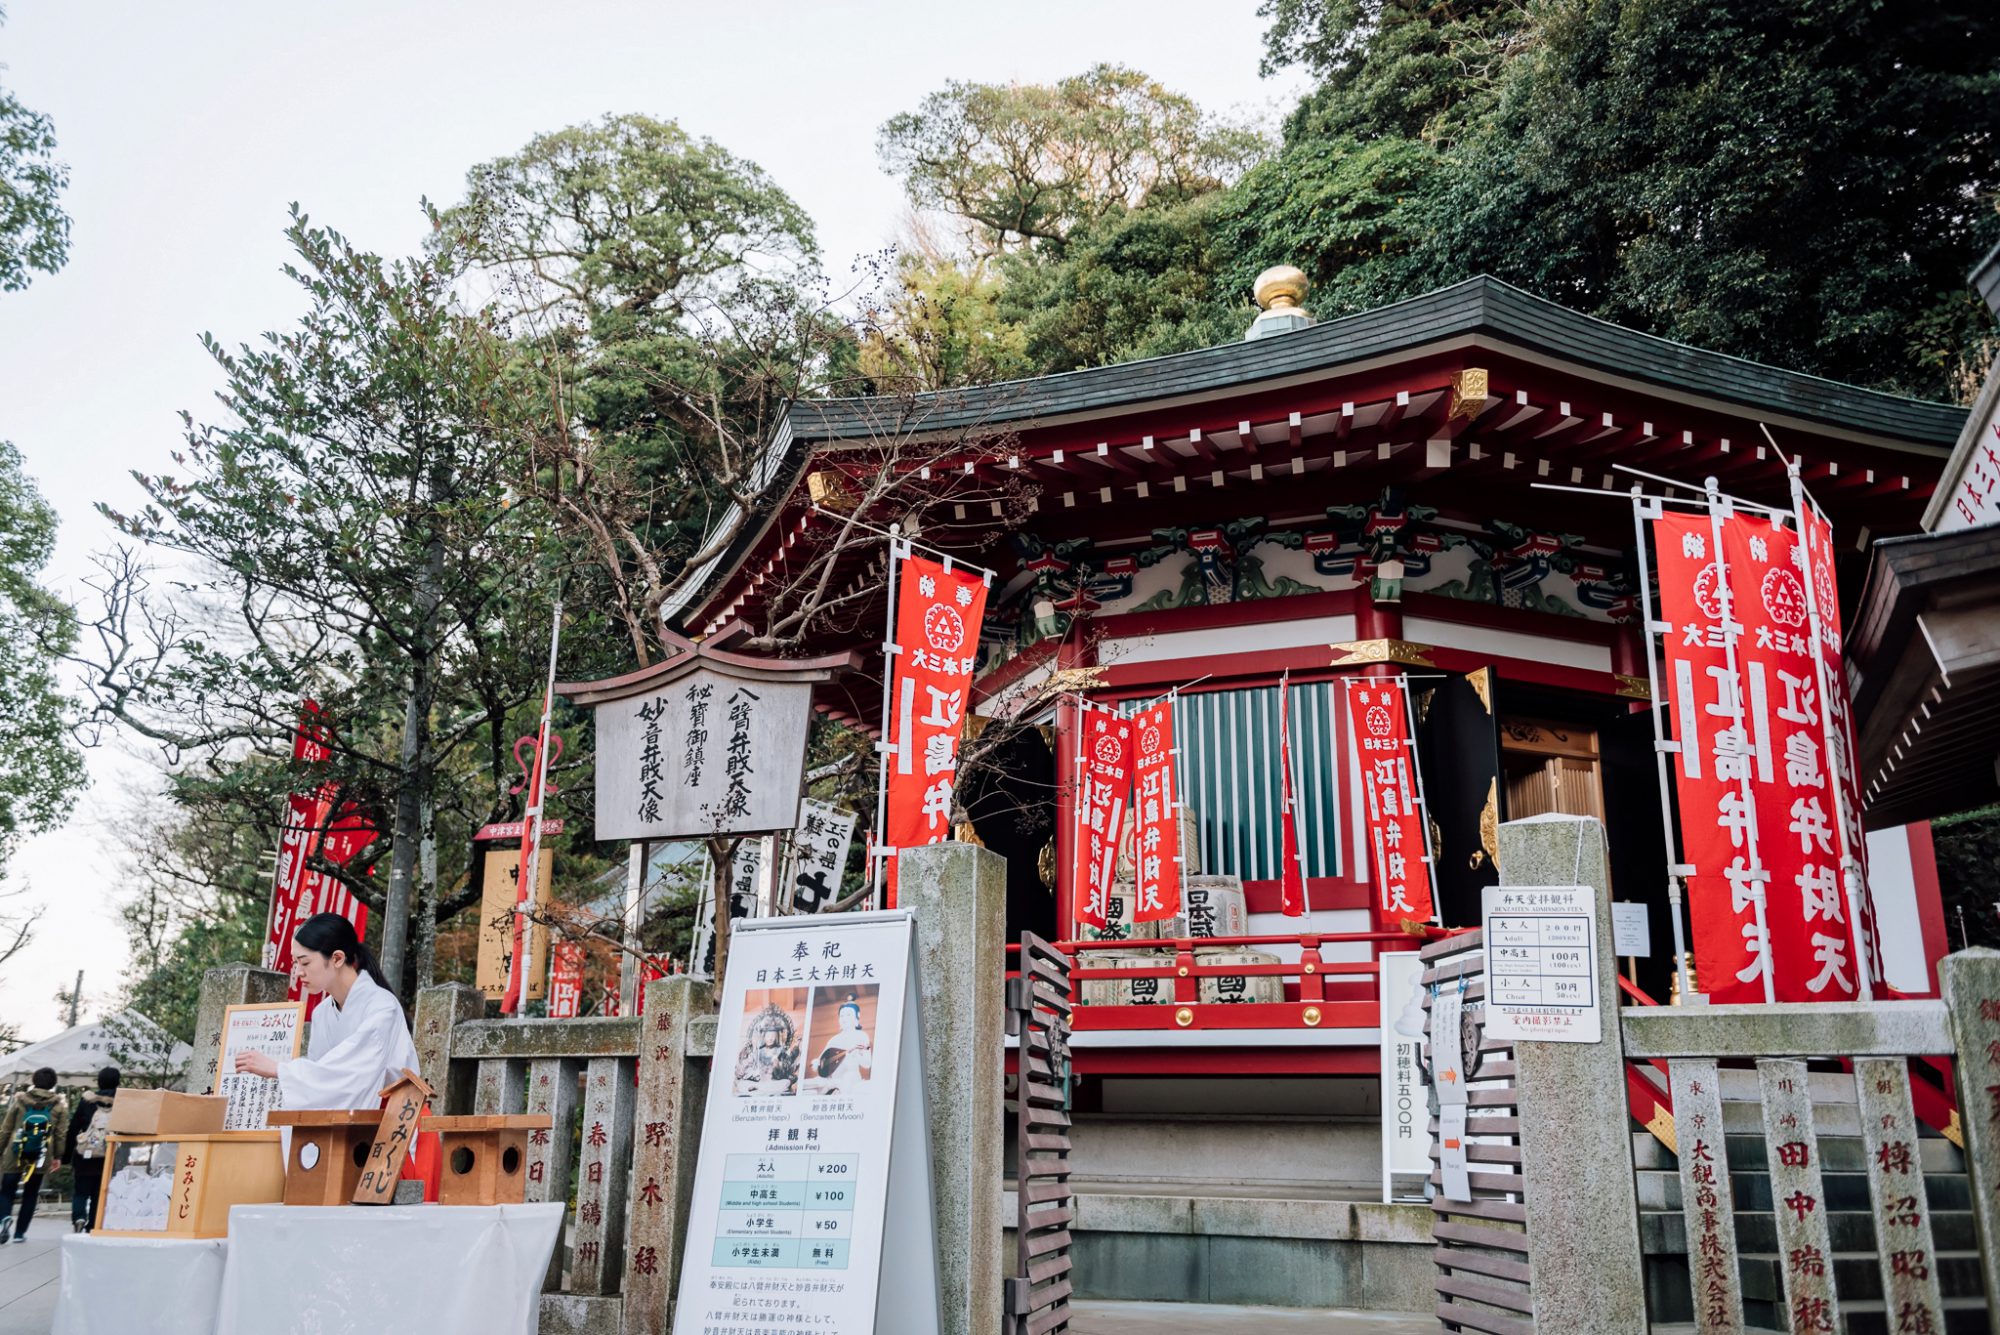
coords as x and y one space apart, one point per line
350 1073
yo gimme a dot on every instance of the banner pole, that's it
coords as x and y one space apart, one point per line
884 747
531 862
1831 743
1676 867
1758 877
1417 774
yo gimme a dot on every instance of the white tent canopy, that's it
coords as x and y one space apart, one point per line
127 1040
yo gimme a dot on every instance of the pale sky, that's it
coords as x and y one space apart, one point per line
189 127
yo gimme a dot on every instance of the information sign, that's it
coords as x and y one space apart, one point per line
1631 931
276 1030
814 1141
1406 1137
1541 970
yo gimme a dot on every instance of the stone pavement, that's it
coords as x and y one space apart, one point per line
28 1278
1108 1318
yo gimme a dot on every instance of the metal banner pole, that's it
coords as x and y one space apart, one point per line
1757 875
1833 744
1642 510
884 747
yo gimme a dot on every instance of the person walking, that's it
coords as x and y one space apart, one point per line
84 1147
31 1136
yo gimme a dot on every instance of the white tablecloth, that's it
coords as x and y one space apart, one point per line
385 1270
122 1286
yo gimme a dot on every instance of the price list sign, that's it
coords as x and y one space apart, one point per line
1541 970
814 1143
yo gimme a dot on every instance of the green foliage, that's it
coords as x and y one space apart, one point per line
34 230
40 768
1023 163
943 326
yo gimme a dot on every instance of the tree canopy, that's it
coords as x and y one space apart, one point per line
40 767
34 230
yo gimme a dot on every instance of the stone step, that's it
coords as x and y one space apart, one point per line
1840 1154
1661 1190
1664 1233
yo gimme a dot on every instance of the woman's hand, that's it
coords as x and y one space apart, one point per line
257 1063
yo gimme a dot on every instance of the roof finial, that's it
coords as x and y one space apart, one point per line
1279 290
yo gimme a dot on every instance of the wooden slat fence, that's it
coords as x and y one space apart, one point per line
1038 1013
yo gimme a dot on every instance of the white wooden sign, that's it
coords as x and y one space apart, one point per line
705 753
815 1145
1406 1139
1541 967
819 855
276 1030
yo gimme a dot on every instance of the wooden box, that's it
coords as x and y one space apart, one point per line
162 1112
485 1158
329 1147
182 1186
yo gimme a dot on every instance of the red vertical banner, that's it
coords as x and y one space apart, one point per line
566 980
1292 876
1756 808
1104 787
1838 715
938 615
313 829
1156 860
1380 727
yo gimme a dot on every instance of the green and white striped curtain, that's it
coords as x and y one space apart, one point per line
1229 775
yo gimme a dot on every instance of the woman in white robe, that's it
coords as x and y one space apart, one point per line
359 1044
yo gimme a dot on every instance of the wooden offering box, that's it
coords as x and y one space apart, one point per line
485 1158
329 1147
181 1186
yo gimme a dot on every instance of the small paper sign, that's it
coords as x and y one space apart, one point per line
1631 930
1541 965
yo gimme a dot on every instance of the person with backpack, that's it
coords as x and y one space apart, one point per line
84 1150
31 1136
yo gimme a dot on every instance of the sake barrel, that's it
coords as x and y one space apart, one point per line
1210 906
1118 924
1123 991
1227 988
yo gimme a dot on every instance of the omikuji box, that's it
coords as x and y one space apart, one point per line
161 1112
485 1158
329 1148
182 1186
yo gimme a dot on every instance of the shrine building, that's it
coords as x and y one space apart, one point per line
1355 495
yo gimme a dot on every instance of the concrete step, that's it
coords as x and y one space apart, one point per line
1661 1190
1840 1154
1664 1233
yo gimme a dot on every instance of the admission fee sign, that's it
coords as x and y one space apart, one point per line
1541 974
814 1142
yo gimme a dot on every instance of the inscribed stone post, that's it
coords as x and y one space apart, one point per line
1971 982
1798 1195
959 895
501 1086
1576 1146
551 1091
439 1011
1895 1167
598 1254
1707 1202
232 985
673 1092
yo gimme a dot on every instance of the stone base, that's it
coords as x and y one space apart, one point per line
573 1314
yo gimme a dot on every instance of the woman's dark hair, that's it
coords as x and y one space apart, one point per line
108 1078
329 932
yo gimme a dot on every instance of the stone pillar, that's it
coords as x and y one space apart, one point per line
439 1011
597 1255
1971 984
1576 1141
231 985
666 1140
959 895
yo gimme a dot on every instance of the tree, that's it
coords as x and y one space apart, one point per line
1020 164
351 526
40 767
34 231
941 325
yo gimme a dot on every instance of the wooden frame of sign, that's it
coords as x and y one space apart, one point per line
251 1097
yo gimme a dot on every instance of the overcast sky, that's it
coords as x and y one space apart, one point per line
189 127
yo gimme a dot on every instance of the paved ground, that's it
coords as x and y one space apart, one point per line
1102 1318
28 1280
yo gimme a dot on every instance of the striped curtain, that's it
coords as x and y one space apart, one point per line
1229 775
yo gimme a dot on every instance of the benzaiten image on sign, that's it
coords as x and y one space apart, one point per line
814 1141
1541 968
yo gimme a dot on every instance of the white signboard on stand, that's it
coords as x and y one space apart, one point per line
1406 1140
815 1145
1631 930
1541 965
276 1029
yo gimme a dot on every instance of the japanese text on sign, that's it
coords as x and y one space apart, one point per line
1541 966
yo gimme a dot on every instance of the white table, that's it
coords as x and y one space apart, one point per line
120 1286
381 1270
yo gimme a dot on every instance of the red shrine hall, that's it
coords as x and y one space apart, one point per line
1249 530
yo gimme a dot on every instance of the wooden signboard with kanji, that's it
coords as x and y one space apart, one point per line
403 1104
499 885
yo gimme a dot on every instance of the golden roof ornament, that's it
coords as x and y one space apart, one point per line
1280 291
